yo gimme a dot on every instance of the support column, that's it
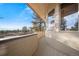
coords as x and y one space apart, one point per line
46 22
57 17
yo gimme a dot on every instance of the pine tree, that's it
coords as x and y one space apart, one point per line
37 22
63 24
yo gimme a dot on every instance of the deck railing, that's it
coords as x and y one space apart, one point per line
19 45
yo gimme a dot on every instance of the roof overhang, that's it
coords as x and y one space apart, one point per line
42 9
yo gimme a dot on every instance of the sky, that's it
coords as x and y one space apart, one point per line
71 19
15 16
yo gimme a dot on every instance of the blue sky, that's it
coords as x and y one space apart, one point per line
15 16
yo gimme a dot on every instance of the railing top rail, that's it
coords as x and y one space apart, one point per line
16 37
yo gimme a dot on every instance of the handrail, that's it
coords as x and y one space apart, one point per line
16 37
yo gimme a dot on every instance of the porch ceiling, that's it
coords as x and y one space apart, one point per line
42 9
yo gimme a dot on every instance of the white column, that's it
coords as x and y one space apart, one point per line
46 21
57 17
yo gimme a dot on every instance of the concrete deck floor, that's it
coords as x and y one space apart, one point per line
52 47
45 50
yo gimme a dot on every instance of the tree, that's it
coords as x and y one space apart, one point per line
63 24
24 29
37 23
75 27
